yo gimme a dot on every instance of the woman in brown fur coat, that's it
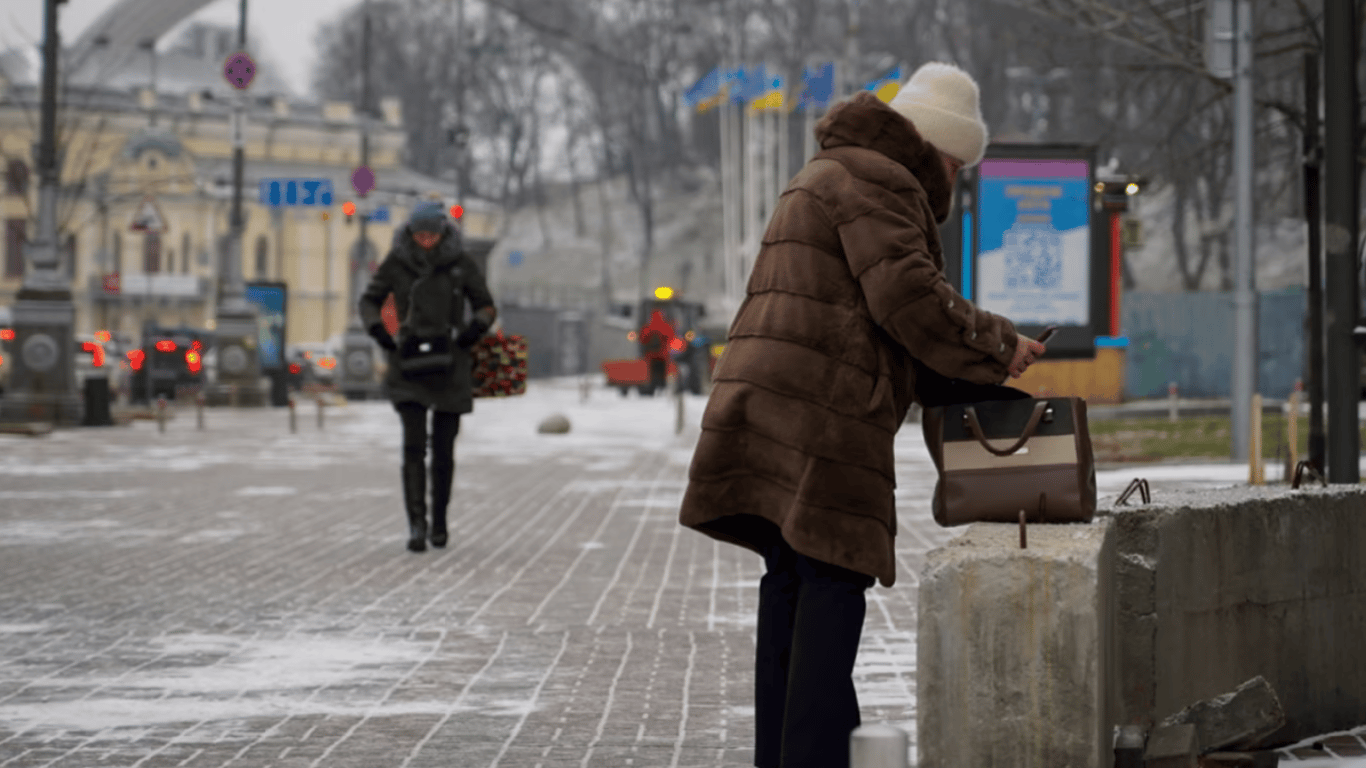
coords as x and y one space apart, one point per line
795 459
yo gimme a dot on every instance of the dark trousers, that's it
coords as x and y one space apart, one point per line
810 620
445 426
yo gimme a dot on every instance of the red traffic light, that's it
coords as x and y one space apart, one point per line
295 368
349 208
457 211
96 352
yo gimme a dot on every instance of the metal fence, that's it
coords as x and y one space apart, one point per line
1187 338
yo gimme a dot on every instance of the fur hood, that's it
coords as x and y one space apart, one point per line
865 121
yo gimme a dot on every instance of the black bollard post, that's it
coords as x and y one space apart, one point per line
161 414
293 425
319 401
199 411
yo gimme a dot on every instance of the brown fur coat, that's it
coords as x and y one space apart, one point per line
816 377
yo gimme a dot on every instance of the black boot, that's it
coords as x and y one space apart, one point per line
415 502
442 476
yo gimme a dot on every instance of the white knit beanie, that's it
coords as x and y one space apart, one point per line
943 103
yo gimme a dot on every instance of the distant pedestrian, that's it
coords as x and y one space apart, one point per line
430 276
657 338
795 460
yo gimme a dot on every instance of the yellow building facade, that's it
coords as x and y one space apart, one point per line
143 215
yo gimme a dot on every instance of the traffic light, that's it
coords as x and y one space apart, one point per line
349 208
457 212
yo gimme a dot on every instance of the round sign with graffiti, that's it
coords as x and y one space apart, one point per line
40 352
234 359
358 363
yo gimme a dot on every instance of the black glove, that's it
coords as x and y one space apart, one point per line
471 334
382 337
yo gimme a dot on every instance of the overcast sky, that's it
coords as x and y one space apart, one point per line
288 29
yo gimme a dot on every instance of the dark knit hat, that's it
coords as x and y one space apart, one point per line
427 217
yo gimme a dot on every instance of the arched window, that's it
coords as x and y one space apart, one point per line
16 177
262 255
185 252
151 252
69 255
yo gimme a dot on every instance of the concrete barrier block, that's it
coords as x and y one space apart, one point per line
1015 658
1217 586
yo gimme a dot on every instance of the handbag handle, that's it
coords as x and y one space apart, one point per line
1033 424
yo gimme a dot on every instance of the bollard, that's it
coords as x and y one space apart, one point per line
1171 401
199 411
293 425
161 414
1292 428
877 746
585 387
232 396
1254 454
678 418
319 401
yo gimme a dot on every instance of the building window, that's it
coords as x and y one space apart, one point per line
151 252
118 253
69 255
262 253
16 177
14 247
185 252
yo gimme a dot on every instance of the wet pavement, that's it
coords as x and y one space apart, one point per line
241 596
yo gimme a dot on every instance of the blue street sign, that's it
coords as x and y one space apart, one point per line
277 192
380 214
515 258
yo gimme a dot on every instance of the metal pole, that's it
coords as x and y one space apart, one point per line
1341 180
236 286
1313 155
364 139
461 135
1244 295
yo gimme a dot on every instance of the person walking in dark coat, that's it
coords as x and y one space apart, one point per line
431 277
795 460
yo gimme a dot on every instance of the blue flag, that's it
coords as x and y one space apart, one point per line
747 84
887 86
818 86
706 92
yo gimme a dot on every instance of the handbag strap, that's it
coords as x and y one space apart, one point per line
1029 429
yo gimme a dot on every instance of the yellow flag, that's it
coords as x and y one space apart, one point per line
888 91
771 100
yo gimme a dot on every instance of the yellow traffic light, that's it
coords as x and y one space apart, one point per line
664 293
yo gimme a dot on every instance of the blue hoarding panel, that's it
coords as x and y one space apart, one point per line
270 302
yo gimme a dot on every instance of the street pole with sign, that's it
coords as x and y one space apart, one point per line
358 350
42 385
235 327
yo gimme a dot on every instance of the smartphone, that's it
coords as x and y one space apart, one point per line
1047 333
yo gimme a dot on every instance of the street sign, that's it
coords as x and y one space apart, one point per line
148 218
278 192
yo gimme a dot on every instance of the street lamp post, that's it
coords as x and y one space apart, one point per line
43 385
235 327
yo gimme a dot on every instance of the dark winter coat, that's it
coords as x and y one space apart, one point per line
817 375
446 391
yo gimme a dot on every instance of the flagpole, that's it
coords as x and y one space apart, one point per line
727 199
784 162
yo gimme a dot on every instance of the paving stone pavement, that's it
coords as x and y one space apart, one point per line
242 597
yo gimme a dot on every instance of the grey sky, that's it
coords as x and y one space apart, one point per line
287 26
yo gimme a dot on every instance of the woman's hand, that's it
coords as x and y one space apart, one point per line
1027 351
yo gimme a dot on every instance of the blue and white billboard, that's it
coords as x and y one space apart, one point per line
1033 260
271 301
